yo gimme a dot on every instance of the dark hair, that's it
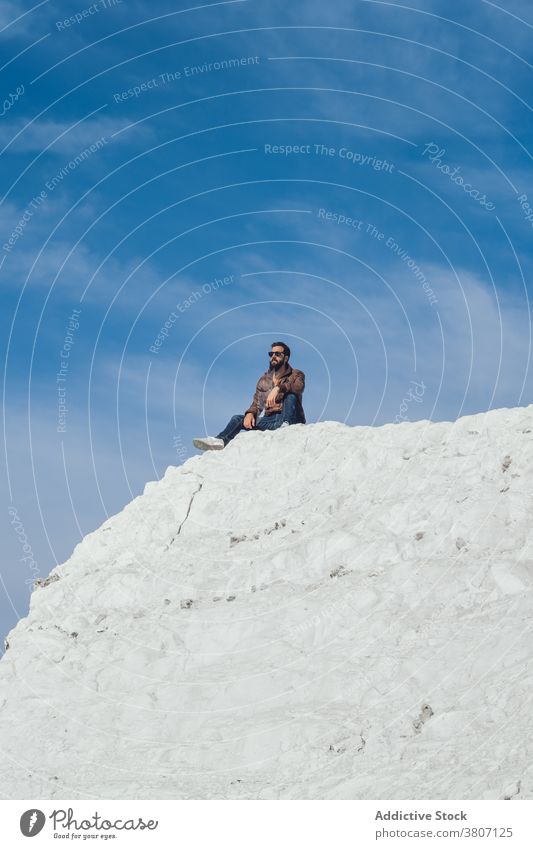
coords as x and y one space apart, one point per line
286 349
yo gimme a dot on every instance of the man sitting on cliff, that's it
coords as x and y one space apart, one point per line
278 392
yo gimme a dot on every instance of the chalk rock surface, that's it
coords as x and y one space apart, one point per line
321 611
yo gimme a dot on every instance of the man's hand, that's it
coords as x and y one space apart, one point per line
249 421
271 397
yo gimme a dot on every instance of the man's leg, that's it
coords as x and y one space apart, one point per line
288 415
269 422
231 430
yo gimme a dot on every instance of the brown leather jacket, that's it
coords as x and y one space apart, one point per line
289 380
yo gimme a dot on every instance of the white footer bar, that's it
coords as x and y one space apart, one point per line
269 824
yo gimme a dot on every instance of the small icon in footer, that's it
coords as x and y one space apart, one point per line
32 822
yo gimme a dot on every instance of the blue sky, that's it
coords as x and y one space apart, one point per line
352 177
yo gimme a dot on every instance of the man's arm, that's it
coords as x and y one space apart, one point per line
254 406
294 382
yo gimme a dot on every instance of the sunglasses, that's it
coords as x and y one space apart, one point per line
275 354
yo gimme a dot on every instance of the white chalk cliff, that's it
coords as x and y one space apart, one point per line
322 611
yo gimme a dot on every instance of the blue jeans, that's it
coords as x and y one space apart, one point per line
288 414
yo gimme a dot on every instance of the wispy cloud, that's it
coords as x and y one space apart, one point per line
66 138
16 22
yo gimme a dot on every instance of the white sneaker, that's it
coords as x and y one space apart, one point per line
208 443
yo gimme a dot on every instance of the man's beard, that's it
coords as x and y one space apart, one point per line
276 366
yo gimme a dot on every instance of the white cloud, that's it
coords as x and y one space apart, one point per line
15 22
64 138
